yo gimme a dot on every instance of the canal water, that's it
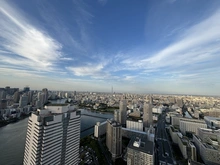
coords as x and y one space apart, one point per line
12 136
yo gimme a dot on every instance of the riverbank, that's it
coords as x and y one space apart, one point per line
12 120
108 109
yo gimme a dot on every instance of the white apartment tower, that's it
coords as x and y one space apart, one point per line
53 136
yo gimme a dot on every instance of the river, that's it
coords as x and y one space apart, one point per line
12 136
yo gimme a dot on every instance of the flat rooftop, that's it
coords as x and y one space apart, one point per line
144 145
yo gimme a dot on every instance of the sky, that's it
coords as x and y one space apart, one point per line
144 46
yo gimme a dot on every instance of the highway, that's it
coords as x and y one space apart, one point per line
163 150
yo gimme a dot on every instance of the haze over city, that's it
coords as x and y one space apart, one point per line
164 46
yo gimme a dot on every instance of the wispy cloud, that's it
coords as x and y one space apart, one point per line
197 47
88 70
26 43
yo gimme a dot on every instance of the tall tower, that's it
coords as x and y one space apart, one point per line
114 138
147 117
30 96
45 91
116 115
16 96
150 98
53 136
123 112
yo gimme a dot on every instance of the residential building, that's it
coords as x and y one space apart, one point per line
114 138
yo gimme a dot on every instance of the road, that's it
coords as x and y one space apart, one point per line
104 152
163 151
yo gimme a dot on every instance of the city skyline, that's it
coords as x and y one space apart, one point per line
169 46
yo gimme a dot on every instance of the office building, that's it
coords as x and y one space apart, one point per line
114 138
147 116
123 112
16 97
23 101
30 96
53 136
116 115
140 152
45 91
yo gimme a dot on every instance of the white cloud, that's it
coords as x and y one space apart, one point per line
198 47
20 73
28 43
89 70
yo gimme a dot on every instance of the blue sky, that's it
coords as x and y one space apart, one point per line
145 46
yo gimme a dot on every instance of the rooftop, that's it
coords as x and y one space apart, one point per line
142 145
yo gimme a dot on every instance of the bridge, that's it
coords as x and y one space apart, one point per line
101 117
87 129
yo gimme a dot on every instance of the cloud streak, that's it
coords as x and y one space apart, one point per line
26 42
192 52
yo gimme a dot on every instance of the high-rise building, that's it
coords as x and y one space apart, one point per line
16 97
150 98
2 94
23 101
42 99
30 95
53 136
140 151
114 138
45 91
123 112
116 115
147 116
